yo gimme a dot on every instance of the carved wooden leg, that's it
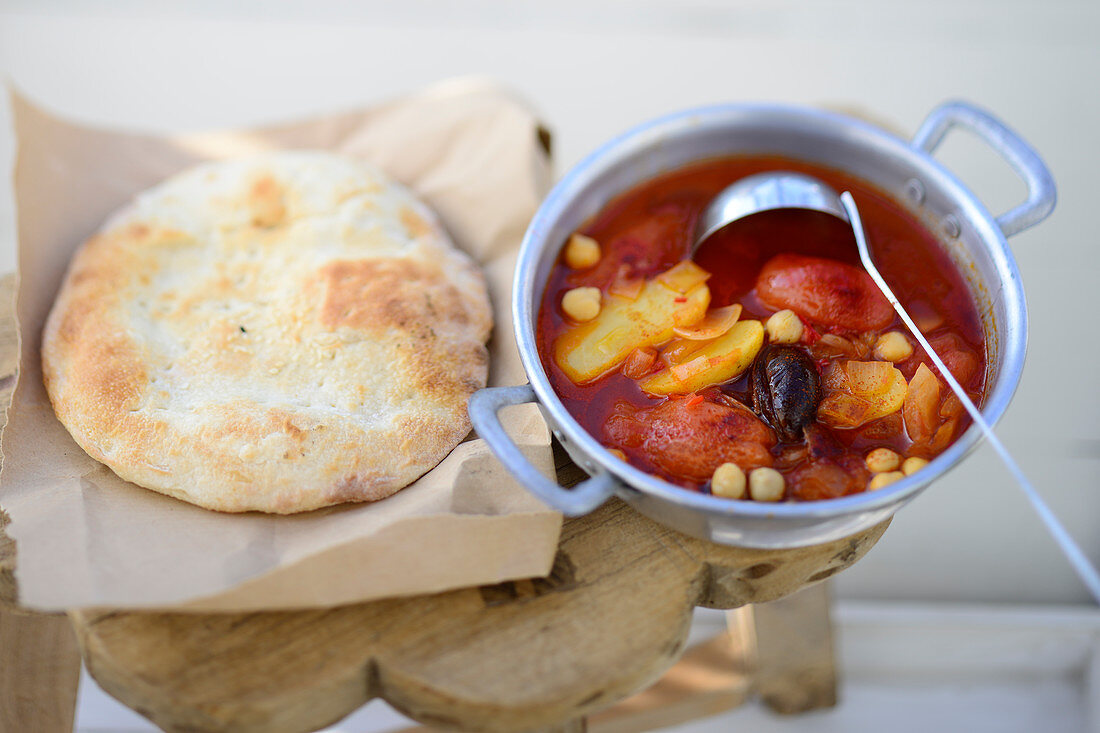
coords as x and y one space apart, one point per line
39 673
796 667
39 659
711 677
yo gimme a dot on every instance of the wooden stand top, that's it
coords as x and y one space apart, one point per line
612 615
610 618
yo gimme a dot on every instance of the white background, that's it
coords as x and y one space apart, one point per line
595 68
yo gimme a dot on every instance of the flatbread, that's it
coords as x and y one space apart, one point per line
279 333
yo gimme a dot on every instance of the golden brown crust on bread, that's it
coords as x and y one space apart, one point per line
277 334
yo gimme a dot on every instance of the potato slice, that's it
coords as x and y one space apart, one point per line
718 361
589 350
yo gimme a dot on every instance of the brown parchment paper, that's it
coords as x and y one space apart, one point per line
84 537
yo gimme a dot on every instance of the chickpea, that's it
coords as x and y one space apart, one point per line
784 327
766 484
881 460
912 465
582 252
880 480
893 346
581 304
617 453
728 481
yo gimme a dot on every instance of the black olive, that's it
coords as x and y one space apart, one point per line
786 389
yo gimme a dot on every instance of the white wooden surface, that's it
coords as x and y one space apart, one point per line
596 67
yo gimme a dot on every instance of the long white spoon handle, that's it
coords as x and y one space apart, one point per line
1080 562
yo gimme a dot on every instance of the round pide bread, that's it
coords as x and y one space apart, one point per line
278 333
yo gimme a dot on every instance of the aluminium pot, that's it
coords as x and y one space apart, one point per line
906 170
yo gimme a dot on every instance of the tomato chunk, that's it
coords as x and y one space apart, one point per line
824 291
959 358
825 479
689 439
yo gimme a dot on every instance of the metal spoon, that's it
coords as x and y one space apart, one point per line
788 190
764 192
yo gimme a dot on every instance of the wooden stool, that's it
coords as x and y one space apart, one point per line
542 653
610 618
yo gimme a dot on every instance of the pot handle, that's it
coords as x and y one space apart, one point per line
581 499
1041 191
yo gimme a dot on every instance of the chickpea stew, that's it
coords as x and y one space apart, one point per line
770 368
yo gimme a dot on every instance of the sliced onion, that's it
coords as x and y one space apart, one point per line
922 405
834 378
832 345
869 378
714 324
951 407
843 410
684 276
891 400
943 435
678 350
639 363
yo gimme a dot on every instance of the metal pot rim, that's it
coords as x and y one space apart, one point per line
917 154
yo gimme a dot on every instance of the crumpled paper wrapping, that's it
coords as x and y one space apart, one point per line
86 538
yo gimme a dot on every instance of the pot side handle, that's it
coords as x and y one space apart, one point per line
1041 191
581 499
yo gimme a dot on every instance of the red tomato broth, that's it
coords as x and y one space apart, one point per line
648 229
